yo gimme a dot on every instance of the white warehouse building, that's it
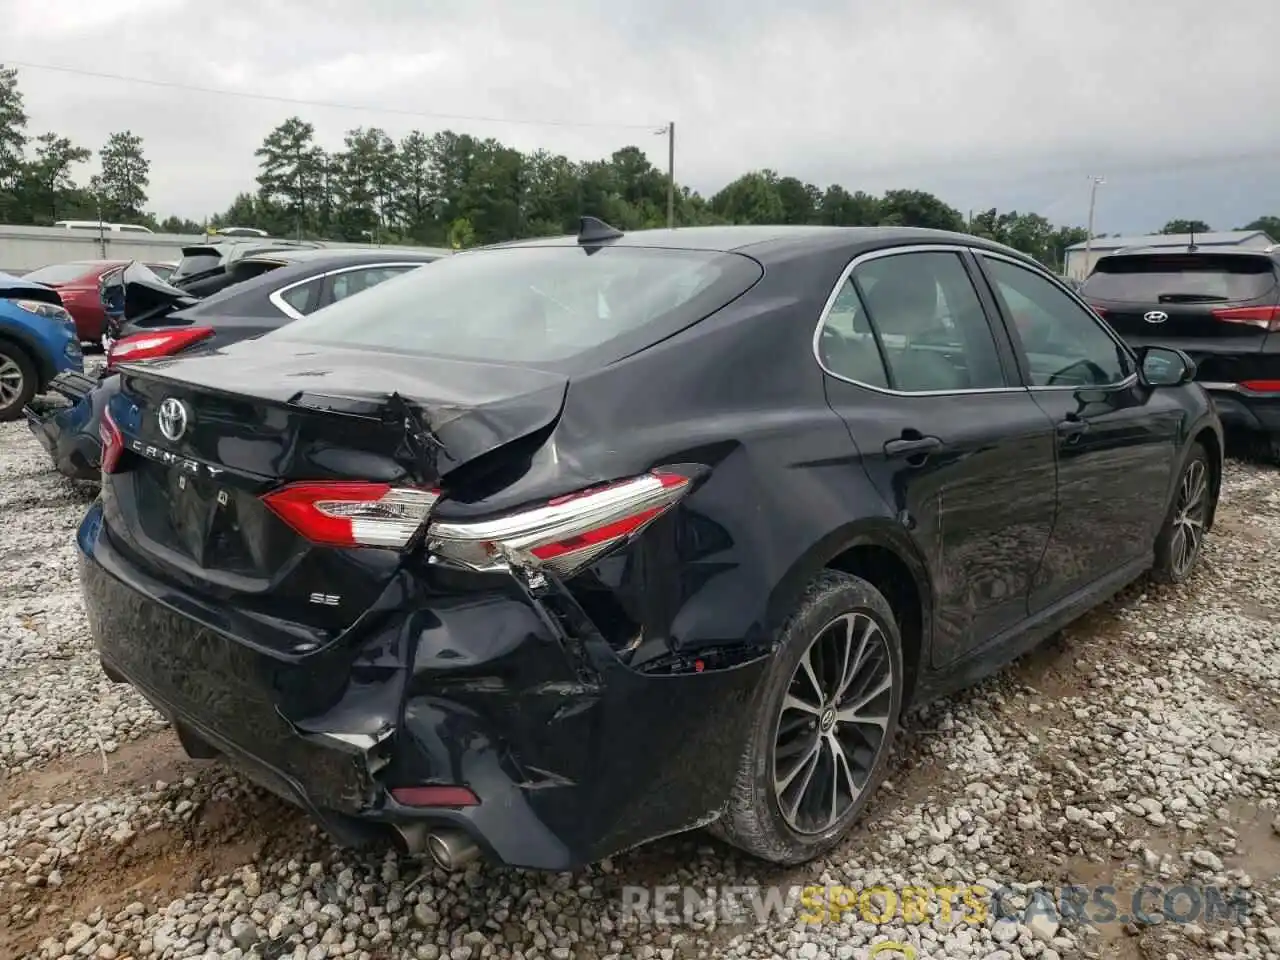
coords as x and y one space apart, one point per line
1077 269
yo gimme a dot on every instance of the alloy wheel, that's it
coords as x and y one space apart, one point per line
10 381
833 723
1189 517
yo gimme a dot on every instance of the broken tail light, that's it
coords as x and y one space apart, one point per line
112 442
1264 318
148 346
352 514
565 534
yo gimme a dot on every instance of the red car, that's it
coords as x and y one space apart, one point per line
77 283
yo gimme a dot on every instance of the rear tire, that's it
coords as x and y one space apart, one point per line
17 380
825 721
1181 538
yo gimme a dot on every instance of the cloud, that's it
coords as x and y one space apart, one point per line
991 103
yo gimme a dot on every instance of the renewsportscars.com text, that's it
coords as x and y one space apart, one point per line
973 904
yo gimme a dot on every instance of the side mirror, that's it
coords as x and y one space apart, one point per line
1165 367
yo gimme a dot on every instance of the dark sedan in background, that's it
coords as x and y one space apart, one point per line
284 285
560 546
1221 306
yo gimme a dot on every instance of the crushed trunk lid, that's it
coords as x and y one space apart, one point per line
257 419
133 294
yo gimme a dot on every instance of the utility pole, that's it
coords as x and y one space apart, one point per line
1088 240
102 235
670 131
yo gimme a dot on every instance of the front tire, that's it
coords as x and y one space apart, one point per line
17 380
825 722
1181 539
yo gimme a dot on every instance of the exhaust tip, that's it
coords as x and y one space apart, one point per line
451 849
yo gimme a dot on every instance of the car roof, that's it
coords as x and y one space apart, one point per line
778 242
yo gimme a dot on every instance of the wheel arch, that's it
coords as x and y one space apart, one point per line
880 552
1209 437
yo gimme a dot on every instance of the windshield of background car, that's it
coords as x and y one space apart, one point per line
59 273
1145 279
537 305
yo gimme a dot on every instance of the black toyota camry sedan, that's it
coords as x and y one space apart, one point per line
564 545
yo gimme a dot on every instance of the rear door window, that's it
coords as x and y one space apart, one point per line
1181 278
932 330
300 299
847 345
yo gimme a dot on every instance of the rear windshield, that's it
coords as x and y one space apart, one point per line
1186 277
59 273
194 263
539 305
248 269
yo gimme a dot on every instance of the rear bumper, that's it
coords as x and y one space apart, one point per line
70 434
1243 409
1223 364
574 757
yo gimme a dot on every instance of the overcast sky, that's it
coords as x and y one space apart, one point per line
1006 103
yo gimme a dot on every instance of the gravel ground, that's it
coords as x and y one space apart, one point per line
1141 746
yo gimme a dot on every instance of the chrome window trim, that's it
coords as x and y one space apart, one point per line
1128 381
852 265
277 296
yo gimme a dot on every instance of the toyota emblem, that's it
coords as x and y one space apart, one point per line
1155 316
172 418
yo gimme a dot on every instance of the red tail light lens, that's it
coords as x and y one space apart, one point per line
1100 311
567 533
112 442
1264 318
148 346
1261 386
342 514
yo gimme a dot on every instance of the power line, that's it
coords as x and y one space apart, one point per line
299 102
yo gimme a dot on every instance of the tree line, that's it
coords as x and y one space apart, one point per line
453 189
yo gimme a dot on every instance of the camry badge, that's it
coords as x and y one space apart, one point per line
1155 316
172 418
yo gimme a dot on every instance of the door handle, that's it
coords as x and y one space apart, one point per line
912 447
1072 427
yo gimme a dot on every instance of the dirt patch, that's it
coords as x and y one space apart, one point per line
156 756
155 867
1257 846
1238 528
1258 611
1244 695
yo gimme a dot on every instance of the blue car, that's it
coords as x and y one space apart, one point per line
37 342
